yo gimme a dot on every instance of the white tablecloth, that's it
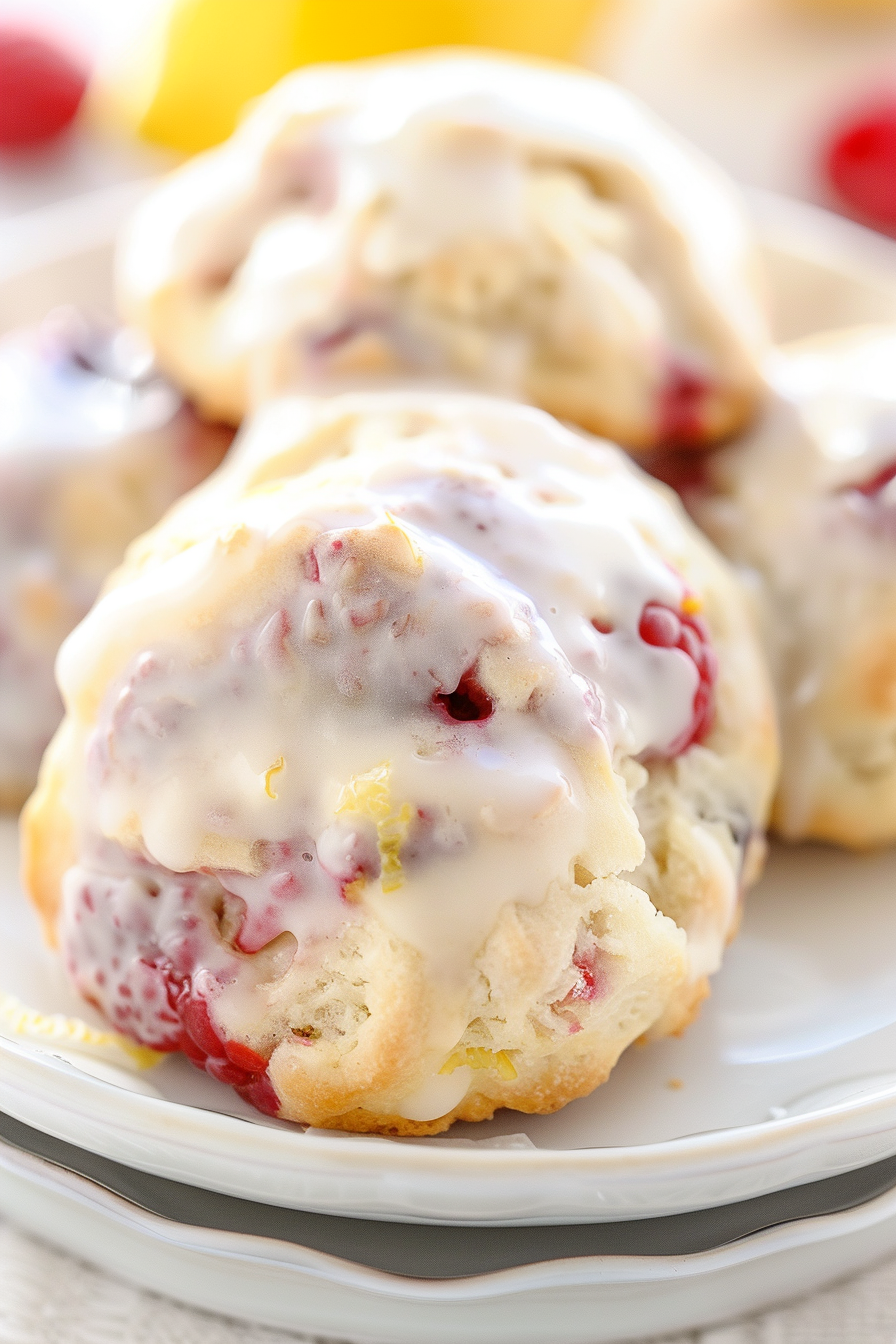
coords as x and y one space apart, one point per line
49 1298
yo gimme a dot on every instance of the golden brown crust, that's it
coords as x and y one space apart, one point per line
560 1084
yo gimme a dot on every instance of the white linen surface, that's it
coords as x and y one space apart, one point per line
47 1297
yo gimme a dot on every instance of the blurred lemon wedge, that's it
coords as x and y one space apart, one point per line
188 79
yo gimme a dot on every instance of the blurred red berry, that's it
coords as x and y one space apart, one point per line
861 165
41 87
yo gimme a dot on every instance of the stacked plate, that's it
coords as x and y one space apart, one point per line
712 1176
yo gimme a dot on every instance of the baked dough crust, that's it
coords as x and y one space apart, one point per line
795 504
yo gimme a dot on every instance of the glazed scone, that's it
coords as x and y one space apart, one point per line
807 504
412 767
513 227
94 447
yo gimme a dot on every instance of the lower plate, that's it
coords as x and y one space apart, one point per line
398 1283
775 1086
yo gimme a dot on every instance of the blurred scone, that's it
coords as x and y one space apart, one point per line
509 226
808 503
94 447
413 767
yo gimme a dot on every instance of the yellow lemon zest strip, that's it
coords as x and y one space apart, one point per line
71 1031
269 775
691 605
477 1057
391 834
368 795
416 553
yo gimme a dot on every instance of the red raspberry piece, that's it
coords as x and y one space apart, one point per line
260 1094
681 408
664 628
41 87
244 1057
194 1053
225 1072
860 164
468 703
875 484
198 1024
592 982
660 626
684 469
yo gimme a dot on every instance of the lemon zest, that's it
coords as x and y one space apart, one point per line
71 1031
691 605
391 834
477 1057
269 775
368 795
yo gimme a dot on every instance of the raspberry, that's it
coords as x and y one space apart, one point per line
152 998
225 1072
468 703
230 1062
660 626
860 164
41 87
244 1058
663 628
592 982
684 469
681 408
876 483
260 1093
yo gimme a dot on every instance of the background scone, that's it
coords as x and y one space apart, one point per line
520 228
385 751
808 503
94 447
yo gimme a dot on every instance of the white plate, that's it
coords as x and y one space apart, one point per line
789 1075
395 1284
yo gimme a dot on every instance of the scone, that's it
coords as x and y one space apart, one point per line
514 227
413 767
94 447
807 504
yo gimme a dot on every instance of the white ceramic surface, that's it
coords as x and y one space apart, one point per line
584 1300
789 1075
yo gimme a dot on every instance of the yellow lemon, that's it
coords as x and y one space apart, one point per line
190 78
